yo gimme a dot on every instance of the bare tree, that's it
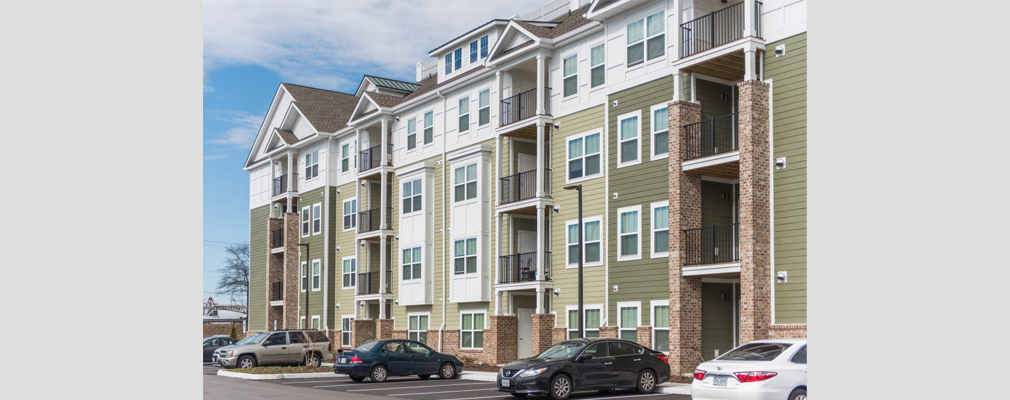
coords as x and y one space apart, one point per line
235 274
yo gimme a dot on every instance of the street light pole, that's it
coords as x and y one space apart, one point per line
307 280
582 316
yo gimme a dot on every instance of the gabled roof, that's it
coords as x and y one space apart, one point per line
538 30
326 110
385 100
441 47
602 9
393 84
287 136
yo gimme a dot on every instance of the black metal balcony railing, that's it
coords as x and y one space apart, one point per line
276 291
277 238
372 157
711 136
522 267
712 245
370 220
716 29
522 186
523 105
368 282
281 184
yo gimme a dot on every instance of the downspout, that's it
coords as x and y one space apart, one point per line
326 238
444 261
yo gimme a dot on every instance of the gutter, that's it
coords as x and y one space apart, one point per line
444 230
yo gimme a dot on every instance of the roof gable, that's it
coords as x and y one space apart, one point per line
513 37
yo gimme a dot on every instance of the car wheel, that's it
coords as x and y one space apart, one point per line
356 378
448 371
313 360
425 376
798 394
519 394
561 387
646 381
246 362
379 374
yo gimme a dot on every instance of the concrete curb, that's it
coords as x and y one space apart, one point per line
479 376
674 388
259 377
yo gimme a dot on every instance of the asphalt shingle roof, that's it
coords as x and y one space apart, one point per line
327 110
566 23
287 136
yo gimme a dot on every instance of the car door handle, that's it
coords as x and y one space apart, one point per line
284 348
607 363
637 359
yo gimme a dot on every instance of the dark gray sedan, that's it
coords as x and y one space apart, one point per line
213 343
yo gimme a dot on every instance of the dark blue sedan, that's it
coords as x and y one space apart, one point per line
380 359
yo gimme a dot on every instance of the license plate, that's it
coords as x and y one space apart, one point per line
505 383
718 381
343 361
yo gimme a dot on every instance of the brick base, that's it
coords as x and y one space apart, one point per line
361 331
608 332
501 339
399 334
543 335
644 336
787 331
559 334
384 328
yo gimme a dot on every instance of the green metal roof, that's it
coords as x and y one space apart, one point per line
393 83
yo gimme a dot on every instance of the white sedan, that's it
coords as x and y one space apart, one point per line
759 370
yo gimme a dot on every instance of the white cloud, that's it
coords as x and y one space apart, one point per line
316 42
210 157
243 132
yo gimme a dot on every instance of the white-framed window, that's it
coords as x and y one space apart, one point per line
646 39
592 313
583 154
471 335
484 46
570 75
350 213
660 318
411 133
417 327
448 63
349 272
629 319
303 283
484 107
597 65
660 122
312 165
345 157
629 243
465 183
305 221
316 275
464 256
592 250
660 247
345 330
457 61
411 261
317 218
301 322
411 195
473 52
629 146
315 322
429 128
464 114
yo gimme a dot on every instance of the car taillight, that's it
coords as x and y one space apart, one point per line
754 376
330 347
355 360
663 358
699 374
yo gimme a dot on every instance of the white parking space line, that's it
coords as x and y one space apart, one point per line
451 391
484 397
419 387
326 381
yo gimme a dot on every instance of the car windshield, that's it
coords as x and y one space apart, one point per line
254 339
562 351
755 352
367 345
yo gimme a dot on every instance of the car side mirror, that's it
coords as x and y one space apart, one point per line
265 344
585 357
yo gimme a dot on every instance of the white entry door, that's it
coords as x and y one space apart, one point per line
525 332
527 241
527 162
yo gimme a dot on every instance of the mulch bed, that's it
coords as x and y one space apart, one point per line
282 370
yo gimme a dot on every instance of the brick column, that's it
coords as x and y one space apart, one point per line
685 213
755 213
383 329
543 335
644 335
501 339
291 272
275 272
608 332
361 331
559 334
399 334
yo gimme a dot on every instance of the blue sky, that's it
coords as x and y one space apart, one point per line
251 47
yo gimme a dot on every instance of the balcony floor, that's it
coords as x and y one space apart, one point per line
527 128
722 165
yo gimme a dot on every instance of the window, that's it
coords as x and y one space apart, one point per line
345 157
411 133
628 134
448 63
630 319
345 330
458 61
312 165
297 337
464 114
277 338
660 229
465 182
660 131
316 280
417 328
618 349
598 71
800 357
591 232
484 107
304 283
350 212
305 221
411 262
628 245
755 352
584 156
483 46
350 271
646 39
429 129
315 322
661 325
464 256
411 196
472 332
473 52
571 76
592 314
317 218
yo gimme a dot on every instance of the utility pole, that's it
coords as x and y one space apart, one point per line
582 316
308 279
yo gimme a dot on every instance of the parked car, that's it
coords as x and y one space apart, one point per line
380 359
586 364
213 343
763 369
291 347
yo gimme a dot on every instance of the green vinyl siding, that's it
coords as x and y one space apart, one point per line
715 210
258 267
315 251
344 246
717 317
637 185
711 96
789 126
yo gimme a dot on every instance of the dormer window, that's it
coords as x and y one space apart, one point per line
473 52
448 63
483 46
458 62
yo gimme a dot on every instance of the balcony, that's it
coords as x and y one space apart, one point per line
716 29
281 185
711 136
523 106
716 244
277 238
371 158
370 220
522 267
277 291
368 283
522 186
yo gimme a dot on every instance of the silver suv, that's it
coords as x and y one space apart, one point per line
292 347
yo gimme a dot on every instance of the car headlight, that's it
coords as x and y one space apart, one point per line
501 371
226 353
531 372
